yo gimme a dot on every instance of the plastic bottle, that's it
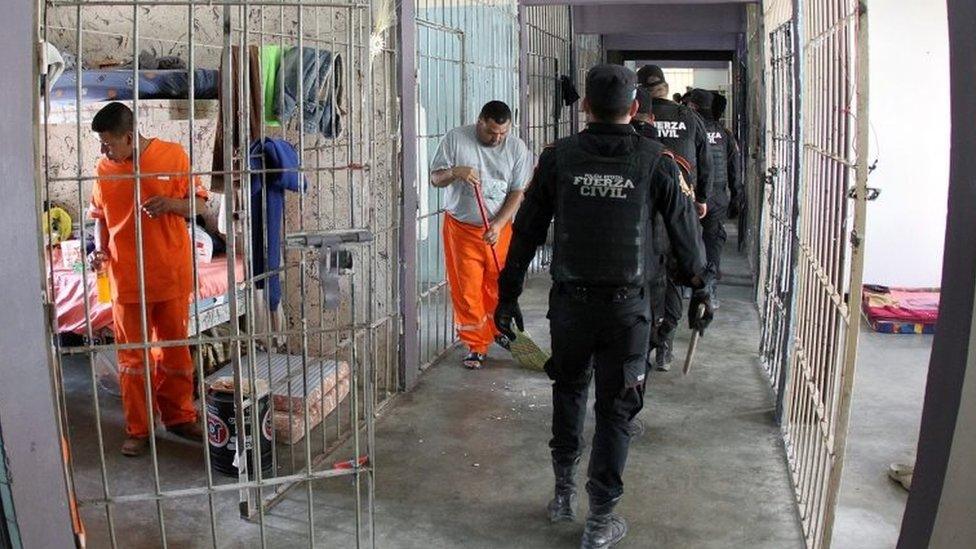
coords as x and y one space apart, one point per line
103 286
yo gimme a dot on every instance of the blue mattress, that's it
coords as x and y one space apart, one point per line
111 85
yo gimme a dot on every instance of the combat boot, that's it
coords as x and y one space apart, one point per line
664 356
603 528
563 505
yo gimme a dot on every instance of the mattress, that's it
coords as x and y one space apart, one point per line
118 85
901 310
69 295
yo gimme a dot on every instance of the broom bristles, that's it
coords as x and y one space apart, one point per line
527 353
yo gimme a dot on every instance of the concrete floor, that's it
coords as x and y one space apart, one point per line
888 394
463 460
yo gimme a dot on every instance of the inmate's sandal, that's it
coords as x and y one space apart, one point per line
474 361
134 446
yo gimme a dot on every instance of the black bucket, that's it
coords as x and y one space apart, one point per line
222 433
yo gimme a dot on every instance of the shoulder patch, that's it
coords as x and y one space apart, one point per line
681 161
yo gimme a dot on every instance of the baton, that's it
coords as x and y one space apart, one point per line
693 345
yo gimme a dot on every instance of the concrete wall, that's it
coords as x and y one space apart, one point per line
663 27
674 18
909 106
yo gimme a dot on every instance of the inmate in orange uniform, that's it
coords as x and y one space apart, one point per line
473 278
168 278
485 156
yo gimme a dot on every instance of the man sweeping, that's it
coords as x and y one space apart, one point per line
484 171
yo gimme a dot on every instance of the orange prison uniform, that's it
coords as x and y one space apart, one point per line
168 280
473 278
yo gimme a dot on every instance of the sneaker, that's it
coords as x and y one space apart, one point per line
190 430
902 474
474 361
135 446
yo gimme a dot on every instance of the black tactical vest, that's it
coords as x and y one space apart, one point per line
719 154
644 129
602 217
676 130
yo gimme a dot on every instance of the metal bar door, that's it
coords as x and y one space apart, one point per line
830 232
775 292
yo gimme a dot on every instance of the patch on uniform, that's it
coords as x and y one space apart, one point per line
685 187
603 185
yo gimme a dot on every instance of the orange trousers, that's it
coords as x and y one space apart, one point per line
172 367
473 278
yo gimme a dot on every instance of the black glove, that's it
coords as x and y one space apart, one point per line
507 313
698 322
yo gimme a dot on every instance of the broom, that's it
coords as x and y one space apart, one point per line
525 351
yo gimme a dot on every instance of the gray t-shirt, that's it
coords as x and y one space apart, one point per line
502 169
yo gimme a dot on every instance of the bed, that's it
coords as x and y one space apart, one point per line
69 298
112 85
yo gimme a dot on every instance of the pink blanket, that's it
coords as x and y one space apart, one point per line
901 304
69 295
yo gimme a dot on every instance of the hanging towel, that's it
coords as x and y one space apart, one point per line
53 65
253 102
270 60
321 82
271 154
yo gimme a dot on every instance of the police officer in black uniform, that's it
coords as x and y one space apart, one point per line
602 186
724 154
683 132
643 120
737 196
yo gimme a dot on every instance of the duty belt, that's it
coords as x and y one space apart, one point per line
611 294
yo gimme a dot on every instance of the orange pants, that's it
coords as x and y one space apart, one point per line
473 278
172 367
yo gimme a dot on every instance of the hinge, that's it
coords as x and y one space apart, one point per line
872 193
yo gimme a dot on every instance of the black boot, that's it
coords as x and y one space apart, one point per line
563 506
664 357
603 528
635 428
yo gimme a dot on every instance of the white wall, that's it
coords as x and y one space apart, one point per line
909 109
711 79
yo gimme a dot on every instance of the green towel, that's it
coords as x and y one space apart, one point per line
270 60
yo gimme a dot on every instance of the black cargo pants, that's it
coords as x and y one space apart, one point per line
601 333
